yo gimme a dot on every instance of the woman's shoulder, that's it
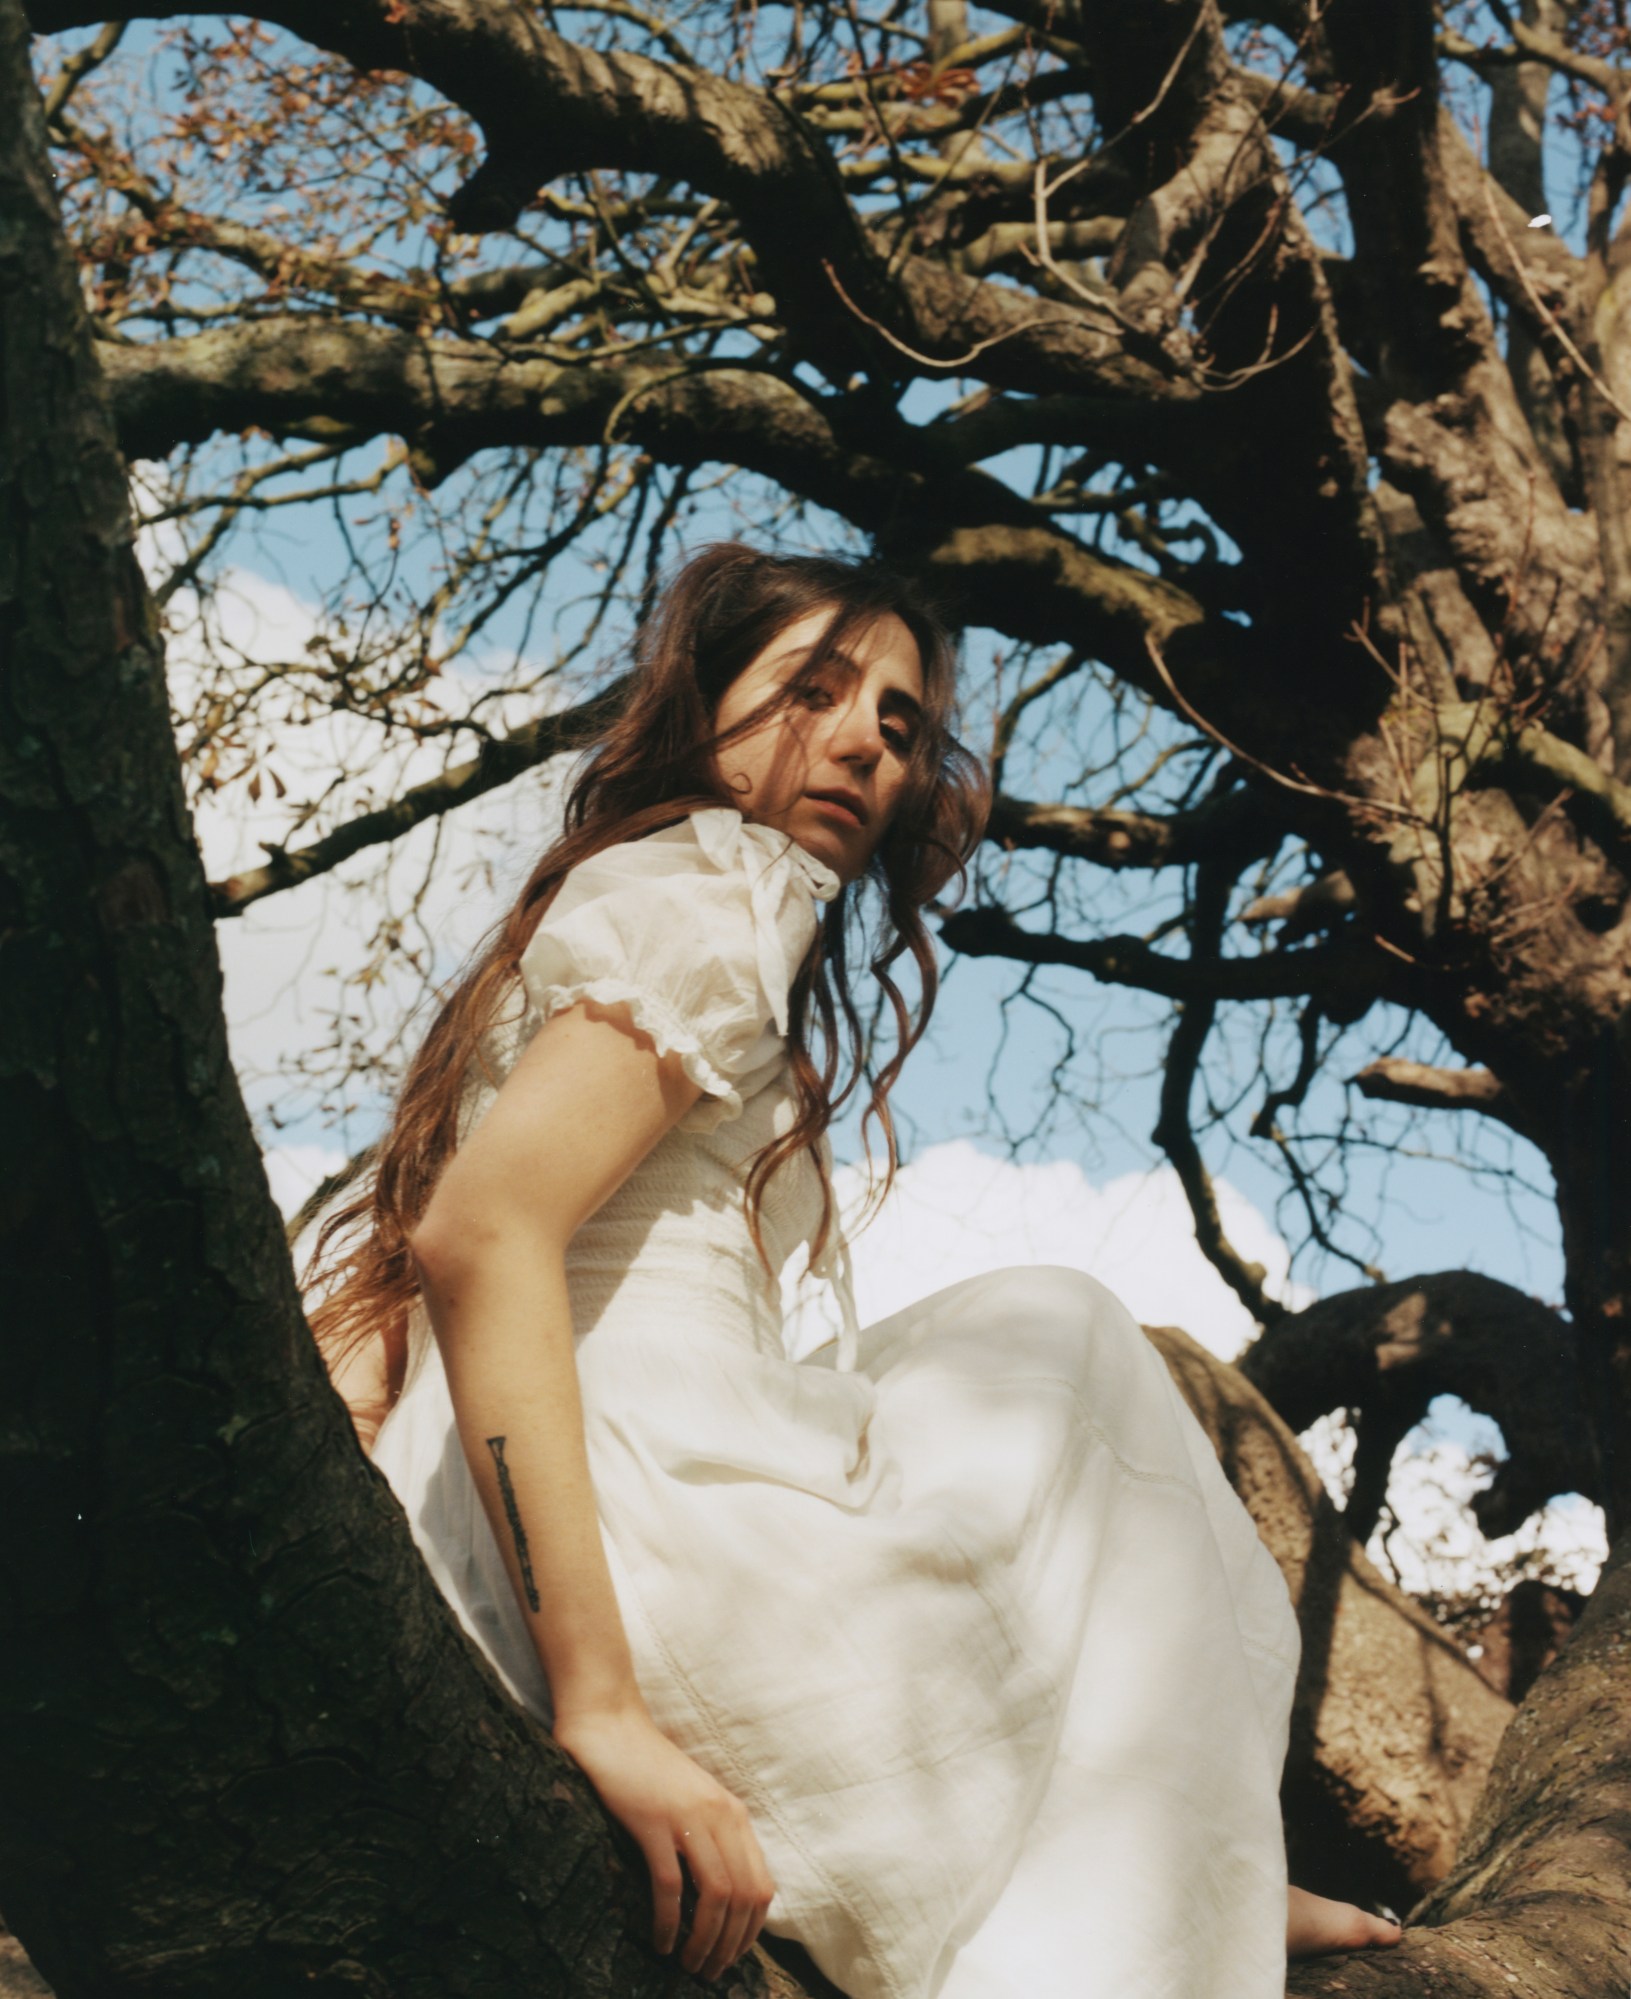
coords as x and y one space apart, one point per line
698 929
714 845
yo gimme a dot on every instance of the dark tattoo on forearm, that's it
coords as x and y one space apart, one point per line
513 1515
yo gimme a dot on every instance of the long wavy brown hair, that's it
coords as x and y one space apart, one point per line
653 764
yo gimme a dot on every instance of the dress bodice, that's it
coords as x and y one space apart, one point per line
673 1242
699 930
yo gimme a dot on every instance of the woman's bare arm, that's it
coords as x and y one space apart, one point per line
586 1101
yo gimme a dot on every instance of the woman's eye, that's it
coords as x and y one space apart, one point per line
814 697
899 740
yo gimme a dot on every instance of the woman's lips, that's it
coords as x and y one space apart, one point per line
847 814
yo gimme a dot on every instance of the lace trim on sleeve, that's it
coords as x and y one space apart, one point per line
656 1020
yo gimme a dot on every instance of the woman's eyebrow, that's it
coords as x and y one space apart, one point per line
897 696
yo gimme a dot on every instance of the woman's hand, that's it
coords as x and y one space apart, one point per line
677 1812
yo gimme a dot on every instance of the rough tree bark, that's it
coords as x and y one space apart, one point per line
243 1743
1536 1898
1393 1731
1387 1350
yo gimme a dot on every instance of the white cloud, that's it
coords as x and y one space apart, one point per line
271 626
290 963
296 1171
955 1212
1434 1548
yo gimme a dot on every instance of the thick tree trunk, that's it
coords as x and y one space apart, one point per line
244 1745
1592 1165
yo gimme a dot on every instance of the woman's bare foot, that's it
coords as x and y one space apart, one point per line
1315 1925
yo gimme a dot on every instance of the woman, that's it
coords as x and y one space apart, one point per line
948 1651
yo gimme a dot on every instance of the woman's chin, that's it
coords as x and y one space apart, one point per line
841 848
830 845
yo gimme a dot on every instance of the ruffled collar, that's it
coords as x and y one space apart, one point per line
730 841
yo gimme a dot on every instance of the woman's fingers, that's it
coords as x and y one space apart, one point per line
667 1888
761 1909
732 1938
683 1819
713 1885
750 1891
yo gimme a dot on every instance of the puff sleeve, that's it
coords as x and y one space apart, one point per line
699 930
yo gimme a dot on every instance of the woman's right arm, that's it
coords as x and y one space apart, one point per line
588 1098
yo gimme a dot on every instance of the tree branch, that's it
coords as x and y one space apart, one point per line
1534 1882
1492 741
1346 970
1173 1133
1316 905
548 106
1237 824
500 760
1532 44
999 558
1393 1080
1386 1350
1390 1725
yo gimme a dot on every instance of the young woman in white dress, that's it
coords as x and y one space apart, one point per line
947 1651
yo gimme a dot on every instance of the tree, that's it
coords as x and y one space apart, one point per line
1394 669
1197 344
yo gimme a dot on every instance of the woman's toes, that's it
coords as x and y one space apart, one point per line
1315 1924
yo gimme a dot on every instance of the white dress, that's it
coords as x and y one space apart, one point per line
965 1611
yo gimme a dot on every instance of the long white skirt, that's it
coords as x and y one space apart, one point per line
979 1632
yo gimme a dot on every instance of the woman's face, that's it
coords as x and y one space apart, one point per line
826 769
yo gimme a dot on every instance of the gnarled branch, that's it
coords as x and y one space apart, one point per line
1387 1350
1237 825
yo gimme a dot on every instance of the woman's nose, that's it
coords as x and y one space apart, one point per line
857 737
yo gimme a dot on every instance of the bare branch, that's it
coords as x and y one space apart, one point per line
1496 741
1532 44
1237 824
1350 970
549 106
1173 1132
78 66
1387 1350
1317 905
1307 116
1393 1080
500 760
